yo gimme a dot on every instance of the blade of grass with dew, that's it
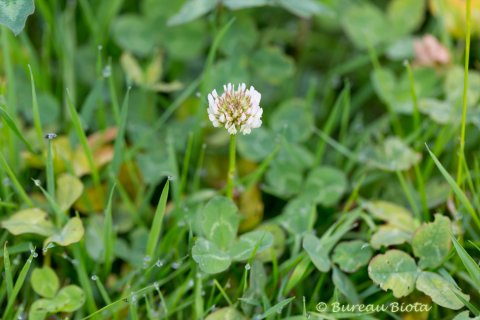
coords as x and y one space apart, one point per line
108 235
456 189
35 110
18 187
8 269
18 285
467 260
172 161
83 140
198 306
118 149
83 278
461 153
222 292
156 228
13 126
17 248
61 218
120 301
49 169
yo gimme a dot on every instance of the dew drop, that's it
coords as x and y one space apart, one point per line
6 182
176 265
107 71
50 136
159 263
190 283
133 298
171 178
35 255
37 182
94 277
157 286
247 266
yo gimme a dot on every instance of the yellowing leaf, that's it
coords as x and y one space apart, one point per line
251 208
69 189
29 221
72 232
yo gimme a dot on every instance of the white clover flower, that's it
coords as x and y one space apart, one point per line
236 110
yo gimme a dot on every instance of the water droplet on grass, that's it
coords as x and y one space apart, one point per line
94 277
6 182
176 265
107 71
190 283
157 286
50 136
159 263
133 298
247 266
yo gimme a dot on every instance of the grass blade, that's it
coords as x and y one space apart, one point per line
108 235
157 222
35 110
83 139
8 269
49 169
21 192
18 285
456 189
470 264
461 153
120 141
12 125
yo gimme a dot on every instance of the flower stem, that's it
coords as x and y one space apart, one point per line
231 167
461 153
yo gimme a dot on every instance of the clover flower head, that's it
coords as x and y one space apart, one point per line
236 110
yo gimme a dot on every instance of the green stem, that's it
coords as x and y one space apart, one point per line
231 167
416 112
461 154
